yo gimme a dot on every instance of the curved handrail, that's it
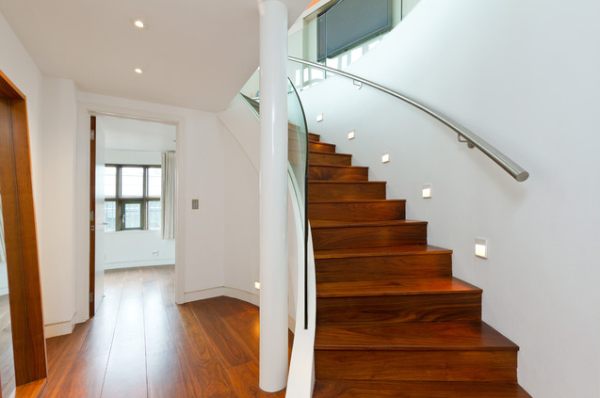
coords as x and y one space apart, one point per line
464 134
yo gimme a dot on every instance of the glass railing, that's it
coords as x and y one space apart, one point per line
297 159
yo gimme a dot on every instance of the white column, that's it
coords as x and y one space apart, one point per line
273 196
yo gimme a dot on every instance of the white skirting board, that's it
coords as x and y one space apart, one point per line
248 297
59 328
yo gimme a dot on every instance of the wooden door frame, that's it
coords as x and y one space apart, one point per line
27 322
92 224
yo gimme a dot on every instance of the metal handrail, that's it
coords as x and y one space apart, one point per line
464 134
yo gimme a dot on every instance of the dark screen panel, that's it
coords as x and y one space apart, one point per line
351 22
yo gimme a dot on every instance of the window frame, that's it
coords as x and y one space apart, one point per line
121 201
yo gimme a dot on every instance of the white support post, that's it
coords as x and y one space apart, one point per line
273 196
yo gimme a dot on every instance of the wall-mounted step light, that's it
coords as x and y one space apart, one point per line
385 158
257 285
481 248
320 117
426 191
351 135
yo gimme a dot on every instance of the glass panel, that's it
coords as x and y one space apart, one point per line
7 370
297 140
132 216
154 215
132 182
110 181
297 155
110 216
154 182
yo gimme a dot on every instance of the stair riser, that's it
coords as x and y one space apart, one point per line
321 147
407 308
330 159
338 173
357 211
376 236
314 137
384 268
351 191
489 366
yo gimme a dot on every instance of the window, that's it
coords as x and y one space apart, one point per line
132 197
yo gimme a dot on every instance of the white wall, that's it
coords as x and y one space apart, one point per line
57 232
51 155
240 141
148 158
523 75
126 249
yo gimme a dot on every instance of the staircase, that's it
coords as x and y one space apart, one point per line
391 319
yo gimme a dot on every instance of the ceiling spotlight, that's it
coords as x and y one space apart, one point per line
138 23
139 71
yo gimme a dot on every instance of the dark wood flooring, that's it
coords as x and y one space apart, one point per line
141 344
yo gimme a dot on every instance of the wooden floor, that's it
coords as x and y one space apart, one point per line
141 344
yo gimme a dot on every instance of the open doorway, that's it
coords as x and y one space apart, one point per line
132 199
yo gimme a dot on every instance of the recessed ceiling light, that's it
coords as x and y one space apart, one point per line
138 23
139 71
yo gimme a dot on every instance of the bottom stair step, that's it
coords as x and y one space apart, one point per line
365 389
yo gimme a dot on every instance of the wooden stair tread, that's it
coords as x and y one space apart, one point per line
329 153
342 182
379 252
337 166
316 224
417 336
381 288
417 389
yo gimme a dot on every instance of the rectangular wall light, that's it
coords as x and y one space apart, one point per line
426 192
481 248
320 117
257 285
385 158
351 135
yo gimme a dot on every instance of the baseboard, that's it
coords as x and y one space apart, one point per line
135 264
60 328
248 297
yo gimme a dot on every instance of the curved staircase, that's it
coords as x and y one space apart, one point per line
391 319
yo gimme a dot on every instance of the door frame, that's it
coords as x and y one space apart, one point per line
92 218
91 109
26 313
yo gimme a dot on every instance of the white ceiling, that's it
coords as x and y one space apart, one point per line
194 53
136 135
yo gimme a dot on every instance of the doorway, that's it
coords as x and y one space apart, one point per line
20 296
132 197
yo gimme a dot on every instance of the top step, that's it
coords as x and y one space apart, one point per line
314 137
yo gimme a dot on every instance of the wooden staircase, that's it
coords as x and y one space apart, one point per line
391 319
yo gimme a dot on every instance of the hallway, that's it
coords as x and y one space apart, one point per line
141 344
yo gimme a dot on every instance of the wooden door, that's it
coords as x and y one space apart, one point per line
97 222
20 237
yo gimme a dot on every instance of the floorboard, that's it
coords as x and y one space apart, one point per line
142 344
